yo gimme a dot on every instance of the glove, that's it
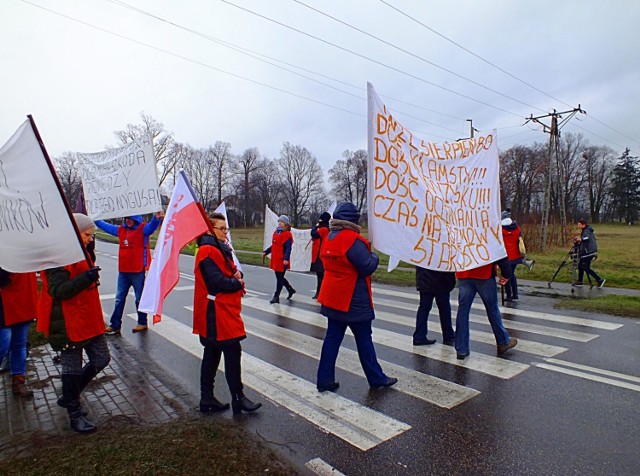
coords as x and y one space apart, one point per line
93 274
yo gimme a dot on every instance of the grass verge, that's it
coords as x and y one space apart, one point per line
628 306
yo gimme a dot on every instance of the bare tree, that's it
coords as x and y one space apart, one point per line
248 164
221 159
599 166
196 164
522 178
68 171
301 179
349 178
268 185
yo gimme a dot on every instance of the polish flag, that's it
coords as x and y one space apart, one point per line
184 222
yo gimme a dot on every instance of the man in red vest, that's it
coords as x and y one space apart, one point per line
134 259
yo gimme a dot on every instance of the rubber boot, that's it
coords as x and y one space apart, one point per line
209 403
89 371
291 292
240 404
18 387
275 299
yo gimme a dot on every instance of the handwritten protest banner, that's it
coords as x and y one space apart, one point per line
121 182
301 251
36 231
434 205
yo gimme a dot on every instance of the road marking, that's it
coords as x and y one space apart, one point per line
509 324
528 346
584 375
356 424
495 366
580 321
596 370
322 468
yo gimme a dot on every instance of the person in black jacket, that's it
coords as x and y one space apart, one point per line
587 252
434 285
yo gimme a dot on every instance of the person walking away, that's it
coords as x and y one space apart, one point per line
319 233
346 298
217 304
70 315
587 252
511 235
482 281
134 258
434 285
18 298
280 249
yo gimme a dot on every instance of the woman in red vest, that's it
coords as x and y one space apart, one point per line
18 297
346 298
216 318
511 234
319 233
280 249
70 315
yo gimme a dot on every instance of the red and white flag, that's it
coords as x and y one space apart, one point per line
183 222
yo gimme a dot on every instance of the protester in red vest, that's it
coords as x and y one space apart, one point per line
319 233
511 235
70 315
134 259
346 298
18 297
280 250
216 318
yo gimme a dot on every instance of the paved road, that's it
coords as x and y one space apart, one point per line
565 401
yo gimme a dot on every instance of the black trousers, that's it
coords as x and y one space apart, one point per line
211 360
585 267
281 282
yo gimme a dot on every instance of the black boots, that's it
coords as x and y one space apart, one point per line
78 422
210 404
291 292
70 395
240 404
275 299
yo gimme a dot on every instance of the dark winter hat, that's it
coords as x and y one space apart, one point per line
325 217
347 211
284 219
83 221
506 214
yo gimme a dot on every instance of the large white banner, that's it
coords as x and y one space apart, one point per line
36 232
434 205
121 182
301 251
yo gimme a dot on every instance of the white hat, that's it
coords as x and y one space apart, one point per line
506 222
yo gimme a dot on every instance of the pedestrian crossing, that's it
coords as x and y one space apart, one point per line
356 423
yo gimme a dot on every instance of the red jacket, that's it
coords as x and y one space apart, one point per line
277 250
340 276
510 238
19 299
132 250
323 231
482 272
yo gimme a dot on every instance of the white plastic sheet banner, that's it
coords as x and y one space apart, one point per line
223 209
36 232
434 205
121 182
301 251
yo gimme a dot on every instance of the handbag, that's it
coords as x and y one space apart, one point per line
521 247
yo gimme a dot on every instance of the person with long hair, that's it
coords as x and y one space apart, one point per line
280 250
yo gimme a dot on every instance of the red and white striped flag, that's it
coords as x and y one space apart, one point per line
183 222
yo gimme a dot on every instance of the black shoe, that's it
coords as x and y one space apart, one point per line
240 404
212 405
315 296
332 387
424 342
80 424
502 348
449 342
291 293
461 356
577 283
274 300
514 298
390 381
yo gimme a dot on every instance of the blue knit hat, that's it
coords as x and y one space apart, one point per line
347 211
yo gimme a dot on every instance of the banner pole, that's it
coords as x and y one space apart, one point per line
52 169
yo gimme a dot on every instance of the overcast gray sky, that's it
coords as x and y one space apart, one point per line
238 71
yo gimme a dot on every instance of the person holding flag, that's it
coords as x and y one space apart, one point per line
219 288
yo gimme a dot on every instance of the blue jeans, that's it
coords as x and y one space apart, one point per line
511 288
125 281
366 352
422 316
14 339
488 292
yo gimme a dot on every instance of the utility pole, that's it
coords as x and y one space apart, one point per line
555 168
471 129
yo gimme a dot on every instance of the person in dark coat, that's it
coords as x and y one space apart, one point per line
280 250
587 252
434 285
346 298
319 233
216 318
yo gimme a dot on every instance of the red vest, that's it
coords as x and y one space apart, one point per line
277 249
229 323
482 272
19 299
510 238
317 243
82 313
340 276
131 254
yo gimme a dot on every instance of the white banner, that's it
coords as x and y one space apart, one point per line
223 209
434 205
121 182
301 251
36 232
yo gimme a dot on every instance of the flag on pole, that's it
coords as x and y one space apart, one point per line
36 231
183 222
223 209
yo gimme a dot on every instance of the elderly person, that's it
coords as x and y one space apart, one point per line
70 314
280 249
346 298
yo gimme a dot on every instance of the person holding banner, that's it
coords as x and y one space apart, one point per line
217 298
18 297
434 285
70 315
280 249
134 259
481 280
319 233
346 298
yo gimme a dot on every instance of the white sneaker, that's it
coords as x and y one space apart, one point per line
601 283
